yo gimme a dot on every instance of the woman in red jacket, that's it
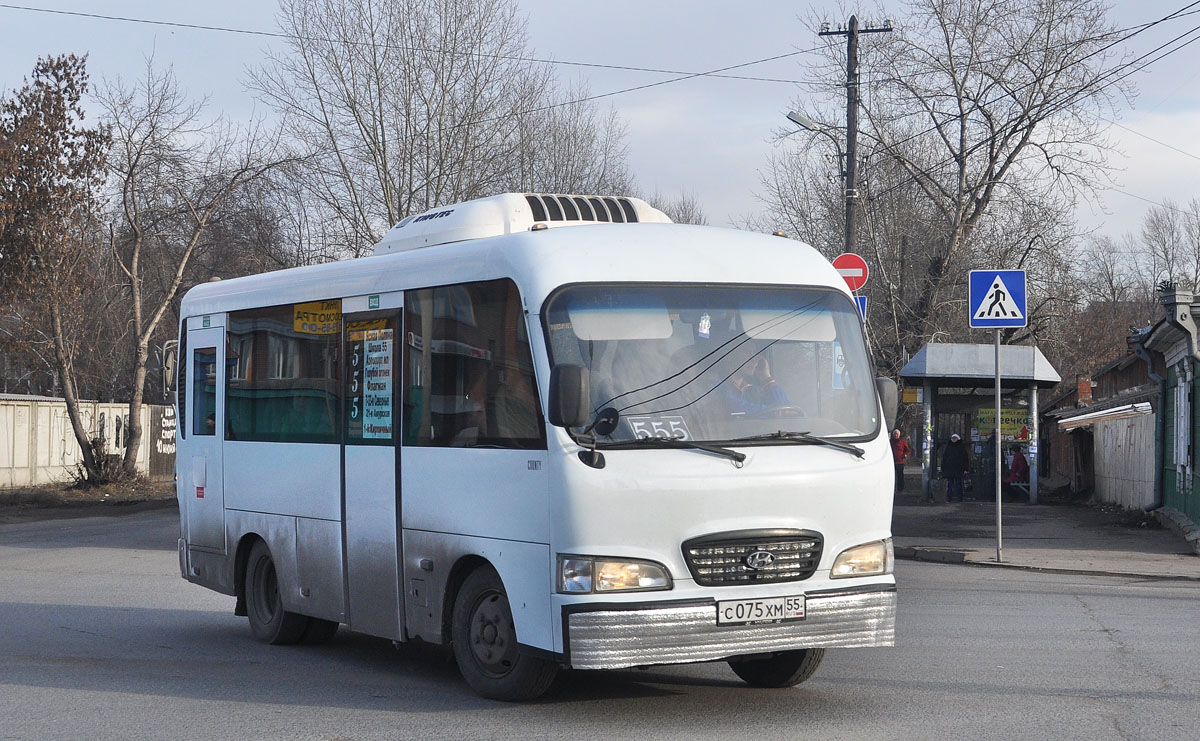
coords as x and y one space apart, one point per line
1018 470
900 453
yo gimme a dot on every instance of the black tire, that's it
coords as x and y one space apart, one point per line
319 631
783 669
485 643
269 622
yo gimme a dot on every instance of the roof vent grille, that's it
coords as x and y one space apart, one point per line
553 207
508 213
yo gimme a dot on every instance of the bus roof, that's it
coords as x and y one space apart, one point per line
539 262
509 213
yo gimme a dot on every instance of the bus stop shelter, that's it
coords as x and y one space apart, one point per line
943 370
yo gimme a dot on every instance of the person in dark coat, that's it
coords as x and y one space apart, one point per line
955 464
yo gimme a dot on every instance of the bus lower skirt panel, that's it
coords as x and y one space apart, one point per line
689 633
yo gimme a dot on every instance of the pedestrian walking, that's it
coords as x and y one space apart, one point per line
956 462
900 453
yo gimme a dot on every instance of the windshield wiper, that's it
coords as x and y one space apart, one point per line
804 438
674 442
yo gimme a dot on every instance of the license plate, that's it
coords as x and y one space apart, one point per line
758 611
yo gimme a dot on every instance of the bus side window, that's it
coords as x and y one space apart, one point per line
284 377
468 369
204 391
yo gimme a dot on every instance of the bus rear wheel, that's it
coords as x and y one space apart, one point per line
484 638
269 622
319 631
783 669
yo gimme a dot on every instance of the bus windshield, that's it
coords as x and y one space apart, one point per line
716 363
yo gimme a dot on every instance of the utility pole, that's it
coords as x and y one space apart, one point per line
851 32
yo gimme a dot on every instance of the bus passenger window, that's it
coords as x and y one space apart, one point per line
204 391
468 369
284 373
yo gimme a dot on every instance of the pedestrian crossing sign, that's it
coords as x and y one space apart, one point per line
997 299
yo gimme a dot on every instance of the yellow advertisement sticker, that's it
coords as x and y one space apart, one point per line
318 317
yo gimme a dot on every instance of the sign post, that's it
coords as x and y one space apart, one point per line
996 301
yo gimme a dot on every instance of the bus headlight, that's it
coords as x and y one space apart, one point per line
585 575
868 559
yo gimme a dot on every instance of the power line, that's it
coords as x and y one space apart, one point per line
1133 67
1068 100
686 76
361 147
371 44
1153 202
1150 138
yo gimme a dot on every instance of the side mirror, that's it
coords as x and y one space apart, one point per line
569 394
889 397
170 358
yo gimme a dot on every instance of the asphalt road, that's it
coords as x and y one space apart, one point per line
101 638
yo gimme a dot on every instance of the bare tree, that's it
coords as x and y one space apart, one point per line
400 106
50 168
981 127
173 174
570 147
683 208
1170 241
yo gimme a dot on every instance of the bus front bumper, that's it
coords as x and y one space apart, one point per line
616 636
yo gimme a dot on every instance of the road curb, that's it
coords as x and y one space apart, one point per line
952 556
936 555
80 509
1181 524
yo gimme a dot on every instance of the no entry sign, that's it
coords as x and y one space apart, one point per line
852 268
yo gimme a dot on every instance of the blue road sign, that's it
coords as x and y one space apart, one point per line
997 299
862 306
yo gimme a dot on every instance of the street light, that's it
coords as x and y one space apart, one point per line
805 122
845 169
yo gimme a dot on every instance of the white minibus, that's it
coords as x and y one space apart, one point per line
550 431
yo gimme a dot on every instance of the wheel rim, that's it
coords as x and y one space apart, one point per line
266 596
491 636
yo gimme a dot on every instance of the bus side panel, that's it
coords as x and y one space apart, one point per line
307 555
279 533
319 559
299 479
372 553
523 567
484 492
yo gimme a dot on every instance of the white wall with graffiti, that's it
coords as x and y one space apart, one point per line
37 445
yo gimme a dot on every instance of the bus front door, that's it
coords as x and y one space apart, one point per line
205 494
371 516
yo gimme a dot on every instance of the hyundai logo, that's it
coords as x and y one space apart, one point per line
759 560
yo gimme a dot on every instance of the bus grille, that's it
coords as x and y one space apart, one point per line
753 557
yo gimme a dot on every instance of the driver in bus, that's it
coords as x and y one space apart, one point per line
752 388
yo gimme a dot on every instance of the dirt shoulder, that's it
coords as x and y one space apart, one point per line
59 501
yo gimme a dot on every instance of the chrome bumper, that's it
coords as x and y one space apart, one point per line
678 634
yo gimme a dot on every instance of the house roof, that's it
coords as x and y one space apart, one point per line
1089 417
1144 393
962 365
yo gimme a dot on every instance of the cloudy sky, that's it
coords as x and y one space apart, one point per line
705 135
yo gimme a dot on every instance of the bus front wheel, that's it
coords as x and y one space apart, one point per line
485 643
783 669
269 622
